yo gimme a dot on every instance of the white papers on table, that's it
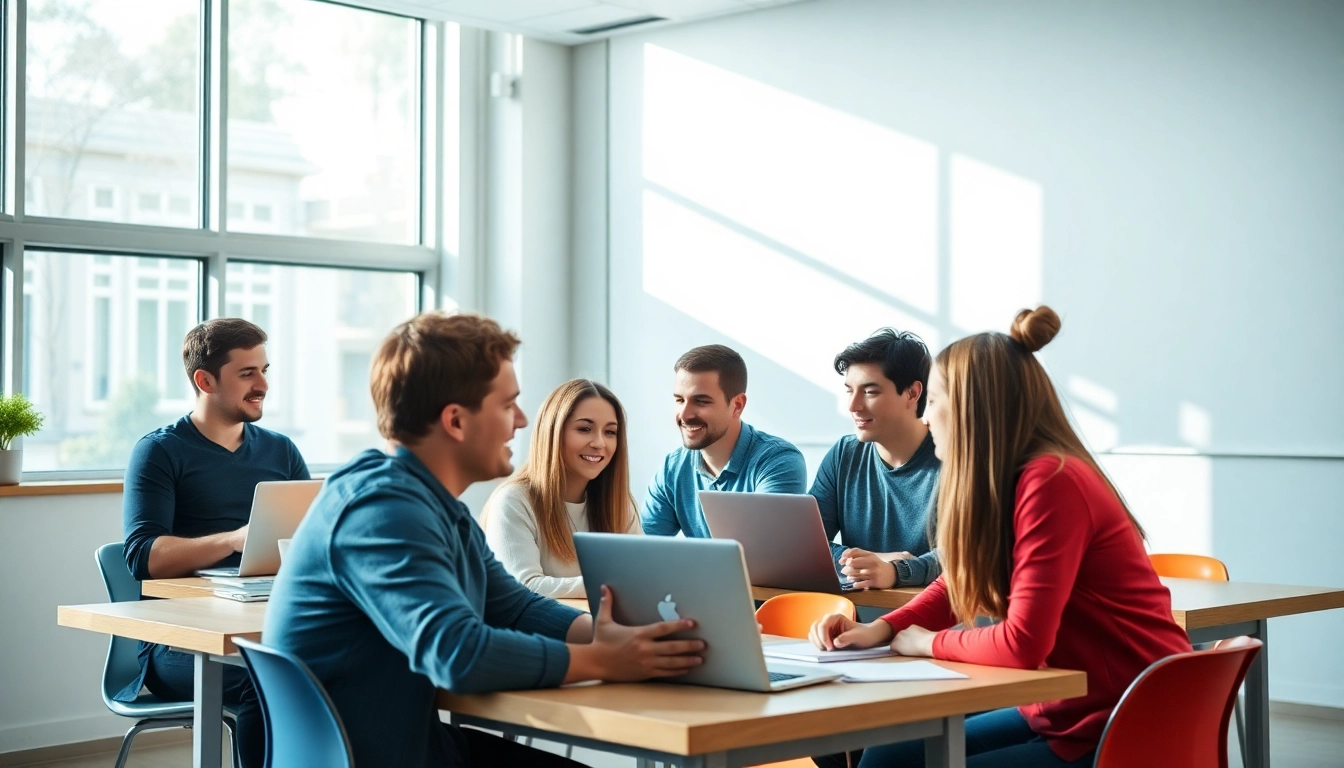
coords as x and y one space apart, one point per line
809 652
904 671
244 582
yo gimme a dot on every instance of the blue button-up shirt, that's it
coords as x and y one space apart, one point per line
760 463
390 591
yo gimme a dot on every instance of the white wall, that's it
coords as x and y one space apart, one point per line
1167 176
52 675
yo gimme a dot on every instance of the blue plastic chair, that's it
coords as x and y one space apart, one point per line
302 725
123 665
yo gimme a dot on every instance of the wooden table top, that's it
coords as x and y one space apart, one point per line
670 718
193 586
1195 603
204 626
694 720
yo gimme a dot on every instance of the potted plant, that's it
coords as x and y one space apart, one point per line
18 418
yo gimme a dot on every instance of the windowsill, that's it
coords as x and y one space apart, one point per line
61 488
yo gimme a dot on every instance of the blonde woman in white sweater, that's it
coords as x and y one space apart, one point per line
576 478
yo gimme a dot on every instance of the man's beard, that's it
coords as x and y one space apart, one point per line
707 438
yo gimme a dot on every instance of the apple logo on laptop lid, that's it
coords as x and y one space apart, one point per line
668 609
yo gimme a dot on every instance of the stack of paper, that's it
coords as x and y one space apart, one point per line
809 652
904 671
242 589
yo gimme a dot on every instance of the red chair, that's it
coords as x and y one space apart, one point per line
1176 713
1183 566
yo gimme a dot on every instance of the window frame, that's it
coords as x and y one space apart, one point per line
435 264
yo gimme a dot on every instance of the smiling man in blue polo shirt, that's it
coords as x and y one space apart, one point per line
720 451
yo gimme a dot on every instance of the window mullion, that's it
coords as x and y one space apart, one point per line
215 102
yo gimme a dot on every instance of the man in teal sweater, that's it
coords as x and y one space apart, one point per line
876 487
389 590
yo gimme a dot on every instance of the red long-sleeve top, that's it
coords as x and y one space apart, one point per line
1082 595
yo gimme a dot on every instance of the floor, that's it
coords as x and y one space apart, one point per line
1297 742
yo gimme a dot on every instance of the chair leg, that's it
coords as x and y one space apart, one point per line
130 737
232 728
1240 717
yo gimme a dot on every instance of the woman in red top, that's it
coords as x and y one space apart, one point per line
1032 534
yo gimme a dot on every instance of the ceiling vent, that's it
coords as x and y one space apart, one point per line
615 25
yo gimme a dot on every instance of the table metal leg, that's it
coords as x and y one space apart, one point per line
208 725
949 749
1256 731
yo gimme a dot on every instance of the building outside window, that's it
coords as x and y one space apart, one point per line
114 139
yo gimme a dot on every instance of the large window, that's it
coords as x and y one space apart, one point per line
149 202
324 325
323 121
111 110
104 343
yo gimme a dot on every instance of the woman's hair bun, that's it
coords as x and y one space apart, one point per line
1034 328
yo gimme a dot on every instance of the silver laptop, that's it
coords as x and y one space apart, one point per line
665 578
277 509
781 535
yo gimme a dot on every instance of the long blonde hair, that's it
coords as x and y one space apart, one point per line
610 505
1002 412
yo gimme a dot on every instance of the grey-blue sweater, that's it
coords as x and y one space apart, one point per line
390 591
880 508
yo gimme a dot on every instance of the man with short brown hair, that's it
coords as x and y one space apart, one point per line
188 497
389 590
720 451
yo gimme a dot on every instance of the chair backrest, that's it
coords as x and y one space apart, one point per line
123 663
1175 714
302 725
792 614
1189 567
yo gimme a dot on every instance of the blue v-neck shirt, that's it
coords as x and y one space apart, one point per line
181 483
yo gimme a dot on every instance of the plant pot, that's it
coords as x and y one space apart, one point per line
11 467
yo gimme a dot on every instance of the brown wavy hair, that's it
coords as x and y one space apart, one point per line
431 361
610 505
1003 412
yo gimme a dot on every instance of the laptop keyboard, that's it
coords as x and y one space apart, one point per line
776 677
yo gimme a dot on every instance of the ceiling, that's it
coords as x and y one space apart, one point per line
556 20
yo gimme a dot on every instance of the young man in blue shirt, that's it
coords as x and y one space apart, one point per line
876 487
389 590
188 497
719 452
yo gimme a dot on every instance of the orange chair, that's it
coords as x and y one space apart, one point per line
792 614
1175 713
1189 567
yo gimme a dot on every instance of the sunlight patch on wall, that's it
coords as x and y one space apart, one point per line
855 196
1094 409
1172 497
782 309
995 244
1195 425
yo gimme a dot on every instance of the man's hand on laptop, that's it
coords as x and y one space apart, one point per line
238 538
837 632
625 654
870 570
